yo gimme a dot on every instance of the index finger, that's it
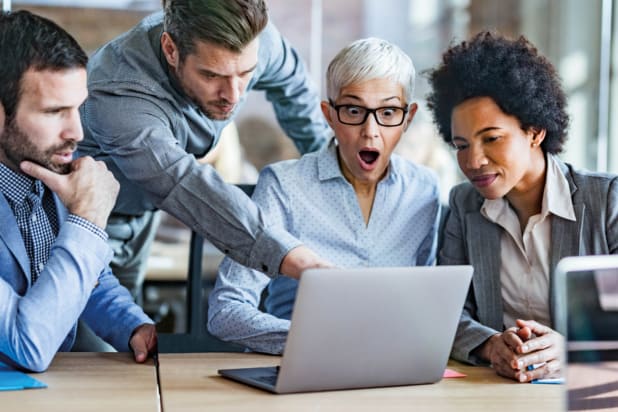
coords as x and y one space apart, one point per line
512 339
535 344
51 179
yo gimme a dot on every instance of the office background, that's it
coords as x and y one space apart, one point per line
578 37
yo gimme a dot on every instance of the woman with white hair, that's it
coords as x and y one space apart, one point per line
354 202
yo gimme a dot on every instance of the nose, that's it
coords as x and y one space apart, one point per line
475 157
73 127
371 128
231 89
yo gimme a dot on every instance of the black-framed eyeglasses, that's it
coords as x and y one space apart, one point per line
351 114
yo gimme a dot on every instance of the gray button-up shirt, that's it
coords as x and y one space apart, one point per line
149 133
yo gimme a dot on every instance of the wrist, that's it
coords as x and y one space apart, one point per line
485 350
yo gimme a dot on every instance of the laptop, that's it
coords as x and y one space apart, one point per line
369 327
586 313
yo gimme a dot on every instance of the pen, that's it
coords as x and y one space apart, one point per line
534 366
544 380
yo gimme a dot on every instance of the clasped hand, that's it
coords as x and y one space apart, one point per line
529 344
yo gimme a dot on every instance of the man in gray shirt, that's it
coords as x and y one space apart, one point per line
159 96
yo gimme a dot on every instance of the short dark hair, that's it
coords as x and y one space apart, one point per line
28 41
522 82
232 24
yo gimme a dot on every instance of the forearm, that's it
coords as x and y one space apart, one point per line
258 331
196 195
234 314
230 220
34 326
469 338
112 314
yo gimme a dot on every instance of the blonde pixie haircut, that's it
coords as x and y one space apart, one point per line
368 59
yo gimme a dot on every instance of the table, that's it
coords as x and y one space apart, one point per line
190 382
593 386
89 382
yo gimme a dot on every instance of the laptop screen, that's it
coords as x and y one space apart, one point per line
587 314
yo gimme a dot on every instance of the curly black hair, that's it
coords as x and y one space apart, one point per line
522 82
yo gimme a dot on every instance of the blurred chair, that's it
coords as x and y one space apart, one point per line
197 338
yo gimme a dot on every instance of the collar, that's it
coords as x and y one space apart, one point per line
16 186
556 196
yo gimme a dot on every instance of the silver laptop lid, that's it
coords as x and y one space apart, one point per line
354 328
585 290
586 313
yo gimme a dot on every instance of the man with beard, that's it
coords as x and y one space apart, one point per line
160 94
53 249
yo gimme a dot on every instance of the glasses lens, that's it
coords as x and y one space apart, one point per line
390 116
352 114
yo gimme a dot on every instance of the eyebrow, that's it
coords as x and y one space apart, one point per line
486 129
355 97
56 108
210 72
479 132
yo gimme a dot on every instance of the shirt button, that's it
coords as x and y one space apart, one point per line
34 218
41 267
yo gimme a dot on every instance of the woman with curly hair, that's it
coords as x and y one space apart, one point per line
500 104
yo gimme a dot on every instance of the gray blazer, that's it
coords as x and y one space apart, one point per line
469 238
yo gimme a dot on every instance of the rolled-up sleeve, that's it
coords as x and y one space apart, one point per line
137 133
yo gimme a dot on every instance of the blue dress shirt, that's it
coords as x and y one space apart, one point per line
39 319
312 200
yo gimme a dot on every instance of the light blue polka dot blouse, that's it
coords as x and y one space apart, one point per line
313 201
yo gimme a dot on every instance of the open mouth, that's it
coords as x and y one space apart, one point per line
368 158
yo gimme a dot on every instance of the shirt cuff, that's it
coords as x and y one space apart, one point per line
89 226
271 246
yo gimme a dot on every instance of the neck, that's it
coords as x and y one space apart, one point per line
8 163
526 198
365 191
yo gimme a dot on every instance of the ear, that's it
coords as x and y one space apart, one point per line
2 118
536 136
327 112
170 51
411 112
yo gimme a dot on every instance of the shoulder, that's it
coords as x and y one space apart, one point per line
269 37
132 59
591 185
291 171
274 54
290 176
587 176
465 197
409 170
277 171
414 179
